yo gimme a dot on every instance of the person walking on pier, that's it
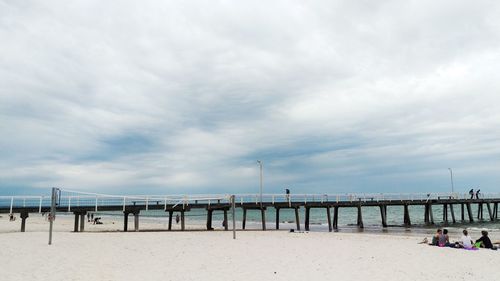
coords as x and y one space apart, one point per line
287 192
477 193
471 193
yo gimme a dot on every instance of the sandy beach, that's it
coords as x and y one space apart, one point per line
199 255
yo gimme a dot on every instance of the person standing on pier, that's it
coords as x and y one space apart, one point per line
287 192
477 193
471 193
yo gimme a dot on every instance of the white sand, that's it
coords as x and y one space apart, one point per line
254 255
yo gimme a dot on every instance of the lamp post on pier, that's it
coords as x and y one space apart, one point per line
260 164
451 178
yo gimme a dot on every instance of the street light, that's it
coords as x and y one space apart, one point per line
260 164
451 176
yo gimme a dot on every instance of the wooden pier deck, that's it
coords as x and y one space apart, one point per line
332 204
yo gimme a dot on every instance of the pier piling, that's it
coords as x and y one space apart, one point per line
297 218
329 219
407 220
277 218
489 212
360 217
383 215
306 222
336 217
452 214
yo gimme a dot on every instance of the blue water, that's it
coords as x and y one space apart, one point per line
347 219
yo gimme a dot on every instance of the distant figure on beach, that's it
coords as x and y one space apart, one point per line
485 240
88 217
11 217
466 240
224 222
471 193
177 219
92 216
477 193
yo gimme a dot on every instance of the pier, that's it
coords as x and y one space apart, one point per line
456 207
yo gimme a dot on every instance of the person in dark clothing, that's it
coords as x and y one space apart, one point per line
88 217
471 193
486 242
477 193
177 218
287 192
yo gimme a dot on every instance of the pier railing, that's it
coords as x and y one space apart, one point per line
69 202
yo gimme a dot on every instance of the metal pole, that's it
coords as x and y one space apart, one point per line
52 213
260 163
233 203
451 176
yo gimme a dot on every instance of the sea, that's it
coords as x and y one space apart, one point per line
347 220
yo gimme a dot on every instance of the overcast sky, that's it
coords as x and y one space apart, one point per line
185 96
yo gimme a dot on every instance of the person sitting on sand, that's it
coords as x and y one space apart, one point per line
435 238
466 240
485 240
444 239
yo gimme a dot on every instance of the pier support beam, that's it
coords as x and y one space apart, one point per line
328 217
209 220
244 221
469 212
489 211
277 218
183 221
360 217
297 218
445 213
336 217
125 221
431 215
136 221
306 223
77 217
452 214
226 227
170 216
24 216
82 222
463 211
263 216
383 215
495 211
407 220
480 211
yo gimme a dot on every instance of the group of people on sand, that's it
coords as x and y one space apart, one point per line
442 239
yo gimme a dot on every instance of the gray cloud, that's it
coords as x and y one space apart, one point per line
170 98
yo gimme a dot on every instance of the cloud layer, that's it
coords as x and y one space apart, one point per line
169 97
